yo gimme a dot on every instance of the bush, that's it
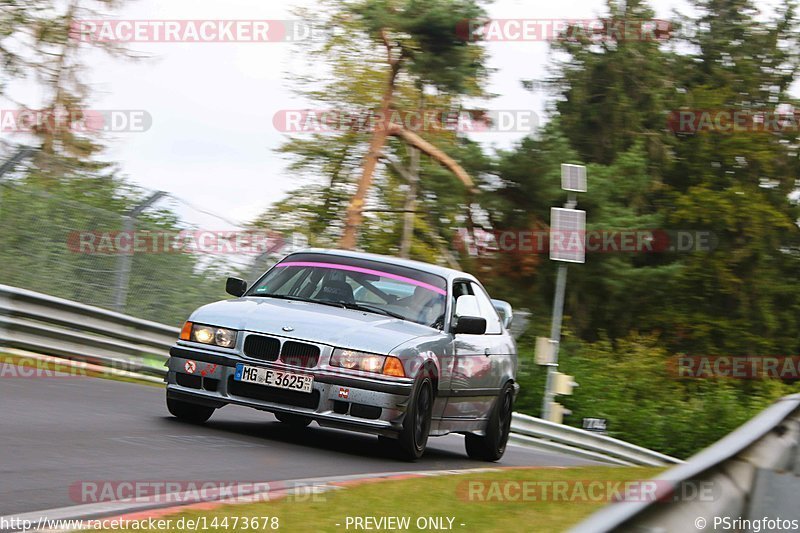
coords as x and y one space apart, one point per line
629 383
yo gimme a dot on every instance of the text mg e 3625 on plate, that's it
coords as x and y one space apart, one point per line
396 348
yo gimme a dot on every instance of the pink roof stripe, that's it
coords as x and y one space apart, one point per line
338 266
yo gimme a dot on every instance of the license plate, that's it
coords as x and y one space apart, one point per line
273 378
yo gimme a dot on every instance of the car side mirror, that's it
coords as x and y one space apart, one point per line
467 319
471 325
467 305
235 286
505 311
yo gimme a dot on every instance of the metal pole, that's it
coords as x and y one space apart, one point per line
555 336
125 260
555 328
124 269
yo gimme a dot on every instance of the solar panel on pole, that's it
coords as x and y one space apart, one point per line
573 178
567 235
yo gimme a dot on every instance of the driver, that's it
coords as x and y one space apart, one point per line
423 303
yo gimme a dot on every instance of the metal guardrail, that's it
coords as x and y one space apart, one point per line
54 326
538 433
752 474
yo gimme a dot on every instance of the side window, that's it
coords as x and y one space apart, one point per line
493 324
461 288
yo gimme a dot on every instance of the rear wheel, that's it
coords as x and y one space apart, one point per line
190 412
297 421
413 438
492 446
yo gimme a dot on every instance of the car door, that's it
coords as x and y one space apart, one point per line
475 376
502 349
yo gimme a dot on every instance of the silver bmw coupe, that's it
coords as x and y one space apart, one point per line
396 348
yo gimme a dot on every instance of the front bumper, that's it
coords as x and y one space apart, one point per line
337 400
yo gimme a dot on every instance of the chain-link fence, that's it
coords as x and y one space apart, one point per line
92 238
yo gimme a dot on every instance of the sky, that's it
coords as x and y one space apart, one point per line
212 141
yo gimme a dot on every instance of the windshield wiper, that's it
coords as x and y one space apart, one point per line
299 299
371 309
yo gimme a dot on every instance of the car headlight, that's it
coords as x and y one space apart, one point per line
204 334
367 362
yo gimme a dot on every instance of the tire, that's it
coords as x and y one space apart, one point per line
492 446
189 412
296 421
413 438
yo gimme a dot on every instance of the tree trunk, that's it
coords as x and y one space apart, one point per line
354 215
410 204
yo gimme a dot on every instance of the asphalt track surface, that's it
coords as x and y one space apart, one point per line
56 432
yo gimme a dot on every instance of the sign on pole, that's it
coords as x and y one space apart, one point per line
545 351
568 245
567 235
599 425
573 178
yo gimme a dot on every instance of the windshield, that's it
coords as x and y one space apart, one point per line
365 285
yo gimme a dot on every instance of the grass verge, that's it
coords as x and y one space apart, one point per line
456 497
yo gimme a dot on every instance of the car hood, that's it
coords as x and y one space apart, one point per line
319 323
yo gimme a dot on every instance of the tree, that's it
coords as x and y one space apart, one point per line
13 16
355 88
612 93
39 44
615 98
739 298
419 40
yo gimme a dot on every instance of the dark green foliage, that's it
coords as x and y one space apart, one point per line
426 32
739 298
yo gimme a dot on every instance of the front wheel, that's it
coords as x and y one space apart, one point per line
492 446
417 425
297 421
190 412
